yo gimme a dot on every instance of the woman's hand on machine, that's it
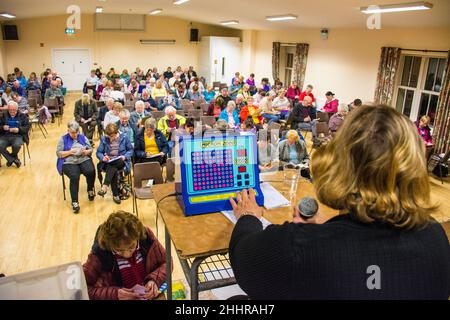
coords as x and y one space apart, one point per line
246 204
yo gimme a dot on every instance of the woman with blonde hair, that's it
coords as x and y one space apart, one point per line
126 262
383 245
159 90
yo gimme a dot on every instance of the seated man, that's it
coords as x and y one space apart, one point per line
22 103
18 89
127 262
14 128
54 92
109 104
138 114
170 122
86 113
304 117
151 145
125 126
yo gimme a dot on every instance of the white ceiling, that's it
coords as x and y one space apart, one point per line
251 13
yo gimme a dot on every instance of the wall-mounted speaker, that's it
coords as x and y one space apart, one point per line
194 35
10 32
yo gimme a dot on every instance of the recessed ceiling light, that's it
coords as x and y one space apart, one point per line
7 15
229 22
412 6
156 11
99 9
282 17
180 1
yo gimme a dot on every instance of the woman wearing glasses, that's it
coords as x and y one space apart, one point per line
126 262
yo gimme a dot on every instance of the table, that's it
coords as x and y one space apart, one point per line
204 239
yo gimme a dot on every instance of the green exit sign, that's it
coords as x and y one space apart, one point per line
70 31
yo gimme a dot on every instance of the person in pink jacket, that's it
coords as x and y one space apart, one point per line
331 105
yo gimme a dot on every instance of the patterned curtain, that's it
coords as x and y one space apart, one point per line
441 134
387 70
300 60
276 60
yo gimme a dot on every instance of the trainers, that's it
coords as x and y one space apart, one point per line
117 199
91 195
17 163
9 164
75 207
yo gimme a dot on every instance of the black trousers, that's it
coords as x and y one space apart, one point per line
73 171
89 129
160 159
15 142
111 174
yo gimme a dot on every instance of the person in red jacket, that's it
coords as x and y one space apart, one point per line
293 92
126 262
308 93
331 105
253 112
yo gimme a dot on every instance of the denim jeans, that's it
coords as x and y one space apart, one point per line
271 117
309 126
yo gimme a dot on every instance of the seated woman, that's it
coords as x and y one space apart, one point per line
195 94
267 153
245 91
114 154
253 112
149 103
282 104
151 144
75 158
159 90
209 94
230 115
112 116
292 151
33 82
117 93
379 182
337 119
216 107
126 261
293 93
247 127
424 130
133 88
331 104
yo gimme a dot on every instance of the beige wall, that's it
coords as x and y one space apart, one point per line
346 63
2 59
112 48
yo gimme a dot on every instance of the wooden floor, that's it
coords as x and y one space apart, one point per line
38 228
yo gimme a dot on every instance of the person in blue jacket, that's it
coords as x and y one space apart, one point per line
114 153
230 115
151 144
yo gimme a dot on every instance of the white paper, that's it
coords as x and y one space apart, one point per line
272 198
150 183
230 216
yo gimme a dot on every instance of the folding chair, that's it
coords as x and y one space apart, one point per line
157 115
437 160
145 171
196 114
208 120
323 117
181 113
322 133
198 103
53 108
204 107
170 170
128 96
63 186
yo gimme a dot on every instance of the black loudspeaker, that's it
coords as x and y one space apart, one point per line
10 32
194 35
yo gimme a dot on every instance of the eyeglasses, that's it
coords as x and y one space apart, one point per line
122 252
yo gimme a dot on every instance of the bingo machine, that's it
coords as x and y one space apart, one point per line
213 169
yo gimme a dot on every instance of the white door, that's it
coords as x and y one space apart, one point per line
73 66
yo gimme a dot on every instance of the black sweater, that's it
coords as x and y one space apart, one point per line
299 113
331 261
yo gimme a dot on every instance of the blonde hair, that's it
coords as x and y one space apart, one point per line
158 84
375 167
292 134
117 106
426 119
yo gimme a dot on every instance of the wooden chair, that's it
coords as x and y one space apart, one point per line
53 108
142 172
187 108
170 170
437 160
181 113
198 103
323 117
204 107
128 96
157 115
196 114
322 132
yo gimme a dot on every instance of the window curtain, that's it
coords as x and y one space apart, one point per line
276 60
300 60
441 134
387 70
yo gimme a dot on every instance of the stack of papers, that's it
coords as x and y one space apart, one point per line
230 216
272 198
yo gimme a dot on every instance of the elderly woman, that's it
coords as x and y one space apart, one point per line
126 262
159 90
118 94
253 112
149 102
293 93
108 89
375 173
245 91
195 94
138 114
151 144
125 126
74 154
33 82
100 87
282 104
230 115
216 107
209 94
292 151
337 119
114 154
112 116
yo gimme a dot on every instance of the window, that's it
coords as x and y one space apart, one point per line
288 69
419 85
